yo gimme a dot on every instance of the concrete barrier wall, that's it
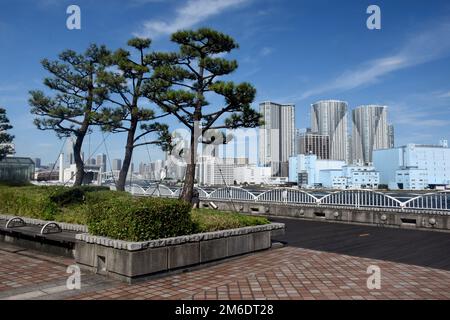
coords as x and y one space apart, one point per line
416 219
129 261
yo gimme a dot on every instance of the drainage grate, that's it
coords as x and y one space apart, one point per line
319 215
101 264
409 221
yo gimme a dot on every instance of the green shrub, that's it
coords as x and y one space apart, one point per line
28 201
65 196
15 184
139 219
62 204
104 195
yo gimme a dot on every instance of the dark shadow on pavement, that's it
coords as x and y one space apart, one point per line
422 248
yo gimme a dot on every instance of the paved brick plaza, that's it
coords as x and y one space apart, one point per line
284 273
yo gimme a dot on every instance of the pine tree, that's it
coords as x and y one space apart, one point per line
182 80
125 112
71 111
5 138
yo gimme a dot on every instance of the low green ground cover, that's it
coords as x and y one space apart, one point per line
117 214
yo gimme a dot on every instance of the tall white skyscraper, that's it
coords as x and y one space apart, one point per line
391 136
276 136
116 164
101 161
370 132
329 117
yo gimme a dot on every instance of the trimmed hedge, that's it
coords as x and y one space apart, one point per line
140 219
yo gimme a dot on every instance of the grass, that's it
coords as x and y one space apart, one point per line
207 220
42 203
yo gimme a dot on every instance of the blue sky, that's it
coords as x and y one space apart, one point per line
292 51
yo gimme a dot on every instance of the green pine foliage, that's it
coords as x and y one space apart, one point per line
182 81
5 137
124 110
76 98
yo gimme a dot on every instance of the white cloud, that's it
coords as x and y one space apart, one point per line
430 45
142 2
444 95
188 15
411 115
266 51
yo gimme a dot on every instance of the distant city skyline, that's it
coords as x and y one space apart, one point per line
309 50
370 131
276 138
330 117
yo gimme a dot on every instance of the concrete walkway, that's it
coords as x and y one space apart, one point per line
285 273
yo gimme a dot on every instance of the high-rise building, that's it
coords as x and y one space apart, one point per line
391 133
156 169
276 136
314 143
175 169
370 132
37 162
116 164
101 161
131 168
329 117
350 149
142 168
298 135
218 171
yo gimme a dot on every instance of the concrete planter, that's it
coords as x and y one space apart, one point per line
128 261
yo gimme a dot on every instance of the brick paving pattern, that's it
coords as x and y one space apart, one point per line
17 271
285 273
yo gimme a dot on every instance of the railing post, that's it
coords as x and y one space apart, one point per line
284 195
357 198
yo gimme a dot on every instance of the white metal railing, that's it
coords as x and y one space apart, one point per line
437 201
287 196
233 193
361 198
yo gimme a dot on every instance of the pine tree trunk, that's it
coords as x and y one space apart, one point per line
81 134
78 160
188 188
120 185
